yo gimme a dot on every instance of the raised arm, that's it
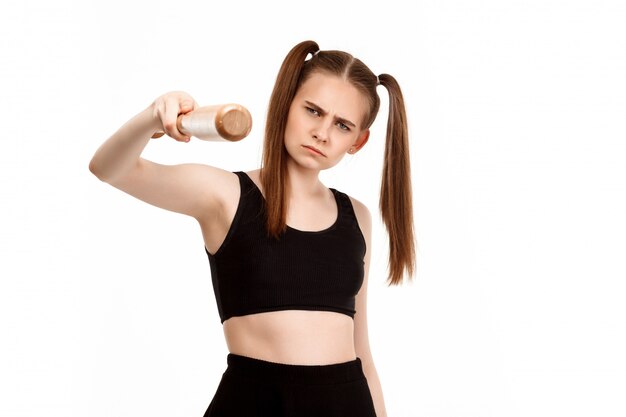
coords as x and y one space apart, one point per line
192 189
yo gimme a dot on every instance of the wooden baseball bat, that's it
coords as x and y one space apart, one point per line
221 122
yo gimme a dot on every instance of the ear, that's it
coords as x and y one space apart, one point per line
362 140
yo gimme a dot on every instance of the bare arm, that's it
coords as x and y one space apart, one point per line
361 334
120 153
193 189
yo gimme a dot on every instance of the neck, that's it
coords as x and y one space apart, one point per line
304 183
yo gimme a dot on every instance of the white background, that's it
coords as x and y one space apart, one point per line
516 116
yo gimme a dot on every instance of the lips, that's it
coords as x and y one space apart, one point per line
315 149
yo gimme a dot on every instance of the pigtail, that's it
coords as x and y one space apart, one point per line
396 200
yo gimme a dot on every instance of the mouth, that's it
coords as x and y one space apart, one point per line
314 150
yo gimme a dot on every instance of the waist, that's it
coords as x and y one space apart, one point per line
267 371
292 337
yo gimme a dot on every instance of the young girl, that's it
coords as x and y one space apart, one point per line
289 257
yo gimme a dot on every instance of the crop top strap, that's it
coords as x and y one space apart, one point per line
247 185
346 211
348 216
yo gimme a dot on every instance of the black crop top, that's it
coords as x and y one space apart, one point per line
304 270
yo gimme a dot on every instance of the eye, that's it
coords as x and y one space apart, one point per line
308 108
346 127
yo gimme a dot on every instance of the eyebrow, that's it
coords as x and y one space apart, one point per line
324 112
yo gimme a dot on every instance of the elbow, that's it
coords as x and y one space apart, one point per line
94 170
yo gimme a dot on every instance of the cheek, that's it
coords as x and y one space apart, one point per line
289 131
296 124
292 133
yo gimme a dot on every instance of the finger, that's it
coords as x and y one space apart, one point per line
186 107
187 104
171 115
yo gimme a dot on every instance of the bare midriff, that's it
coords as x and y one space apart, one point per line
299 337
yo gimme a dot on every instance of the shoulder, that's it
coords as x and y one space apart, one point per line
223 185
363 215
360 208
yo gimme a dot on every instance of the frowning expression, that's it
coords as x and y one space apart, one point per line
324 121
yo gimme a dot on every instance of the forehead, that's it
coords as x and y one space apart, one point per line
335 95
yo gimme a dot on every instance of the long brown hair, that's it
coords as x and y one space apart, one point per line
396 202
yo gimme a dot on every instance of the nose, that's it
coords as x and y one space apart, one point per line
320 138
320 132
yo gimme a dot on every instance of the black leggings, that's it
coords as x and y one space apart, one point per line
253 387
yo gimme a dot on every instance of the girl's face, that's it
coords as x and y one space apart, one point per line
326 114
